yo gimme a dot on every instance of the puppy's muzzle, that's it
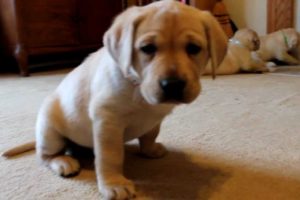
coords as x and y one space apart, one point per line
256 45
173 89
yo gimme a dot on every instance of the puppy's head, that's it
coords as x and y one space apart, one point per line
290 35
248 38
166 46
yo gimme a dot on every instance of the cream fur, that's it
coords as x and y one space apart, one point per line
239 57
114 95
279 45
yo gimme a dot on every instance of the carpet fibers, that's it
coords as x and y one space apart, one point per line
240 140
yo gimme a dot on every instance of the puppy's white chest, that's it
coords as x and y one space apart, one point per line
139 123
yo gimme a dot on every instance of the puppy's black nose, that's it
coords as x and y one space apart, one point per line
172 88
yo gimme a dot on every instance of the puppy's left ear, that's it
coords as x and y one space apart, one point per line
217 40
119 40
293 41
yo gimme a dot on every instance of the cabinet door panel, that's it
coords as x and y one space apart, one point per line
95 18
280 14
48 22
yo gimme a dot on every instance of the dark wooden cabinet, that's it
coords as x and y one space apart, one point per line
40 27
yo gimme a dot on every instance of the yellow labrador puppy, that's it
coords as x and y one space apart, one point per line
239 56
151 61
279 45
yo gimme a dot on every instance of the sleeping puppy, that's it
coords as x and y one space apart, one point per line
239 56
279 45
151 61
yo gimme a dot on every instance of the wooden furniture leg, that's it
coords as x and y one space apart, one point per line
21 57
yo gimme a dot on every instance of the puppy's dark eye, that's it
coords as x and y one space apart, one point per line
192 49
149 49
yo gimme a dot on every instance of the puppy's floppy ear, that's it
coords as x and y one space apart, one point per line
293 41
217 40
119 40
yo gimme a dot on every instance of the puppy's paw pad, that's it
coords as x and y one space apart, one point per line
156 151
65 166
122 191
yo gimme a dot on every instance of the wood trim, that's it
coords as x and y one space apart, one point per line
280 14
63 49
203 5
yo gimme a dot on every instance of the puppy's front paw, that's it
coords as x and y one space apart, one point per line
65 166
120 189
157 150
271 66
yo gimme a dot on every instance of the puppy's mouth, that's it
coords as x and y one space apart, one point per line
256 45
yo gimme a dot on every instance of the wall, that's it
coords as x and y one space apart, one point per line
297 14
249 13
253 14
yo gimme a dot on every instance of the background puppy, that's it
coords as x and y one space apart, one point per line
295 52
279 45
152 60
239 55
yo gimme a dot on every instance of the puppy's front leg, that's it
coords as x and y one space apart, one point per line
149 147
109 155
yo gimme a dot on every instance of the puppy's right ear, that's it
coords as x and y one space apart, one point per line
119 40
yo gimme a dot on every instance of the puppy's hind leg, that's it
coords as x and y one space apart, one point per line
149 147
50 147
285 57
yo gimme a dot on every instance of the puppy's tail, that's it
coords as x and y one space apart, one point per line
19 149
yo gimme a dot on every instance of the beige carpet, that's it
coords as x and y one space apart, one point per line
239 141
